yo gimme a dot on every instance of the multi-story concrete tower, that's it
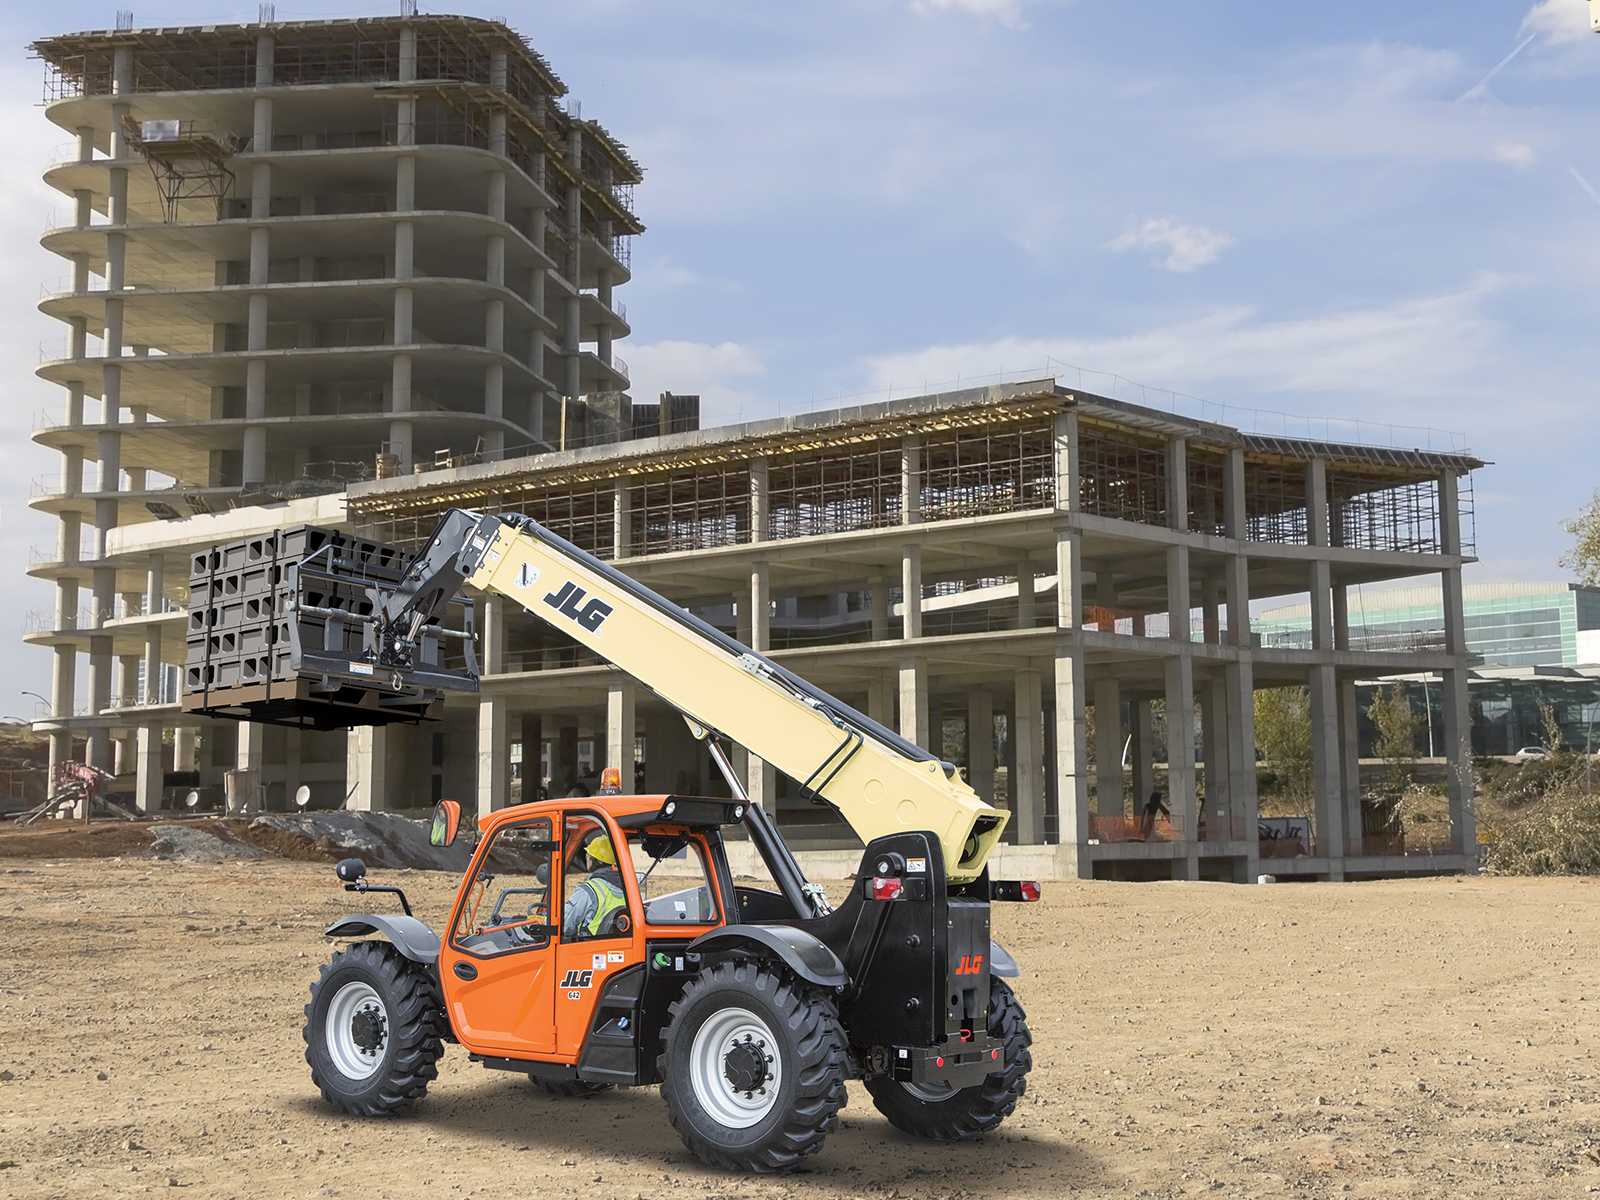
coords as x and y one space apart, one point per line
300 254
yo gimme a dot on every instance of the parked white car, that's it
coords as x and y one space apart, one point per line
1529 752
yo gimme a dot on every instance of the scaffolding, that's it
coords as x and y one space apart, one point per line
189 161
1122 473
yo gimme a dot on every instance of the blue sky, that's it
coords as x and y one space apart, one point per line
1358 212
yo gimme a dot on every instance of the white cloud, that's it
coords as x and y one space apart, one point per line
1518 154
1559 20
1428 354
712 372
1007 12
1189 246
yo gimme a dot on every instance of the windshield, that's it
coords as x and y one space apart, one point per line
674 882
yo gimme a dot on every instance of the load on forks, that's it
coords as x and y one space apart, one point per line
572 955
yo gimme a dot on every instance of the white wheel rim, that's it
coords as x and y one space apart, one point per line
356 1030
733 1048
930 1093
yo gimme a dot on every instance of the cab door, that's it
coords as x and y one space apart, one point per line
497 967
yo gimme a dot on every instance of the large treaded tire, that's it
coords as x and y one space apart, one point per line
971 1111
372 1003
810 1063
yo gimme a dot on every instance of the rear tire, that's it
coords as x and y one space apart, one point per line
946 1115
370 1031
754 1067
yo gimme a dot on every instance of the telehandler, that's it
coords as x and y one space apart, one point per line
573 956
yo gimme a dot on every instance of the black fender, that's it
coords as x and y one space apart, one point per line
410 936
802 953
1001 963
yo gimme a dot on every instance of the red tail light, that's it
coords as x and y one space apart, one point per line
887 889
1029 889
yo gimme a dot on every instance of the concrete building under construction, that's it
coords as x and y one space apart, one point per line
302 254
302 249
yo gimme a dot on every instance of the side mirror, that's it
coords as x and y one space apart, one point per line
446 821
351 870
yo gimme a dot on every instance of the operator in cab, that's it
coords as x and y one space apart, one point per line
592 908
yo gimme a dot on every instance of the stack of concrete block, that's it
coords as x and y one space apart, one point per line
239 603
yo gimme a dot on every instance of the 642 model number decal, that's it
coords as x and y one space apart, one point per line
569 601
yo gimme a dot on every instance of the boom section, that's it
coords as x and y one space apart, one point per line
879 782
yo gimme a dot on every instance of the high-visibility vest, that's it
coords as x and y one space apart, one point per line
608 898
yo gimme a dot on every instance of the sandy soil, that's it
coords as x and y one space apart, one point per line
1432 1038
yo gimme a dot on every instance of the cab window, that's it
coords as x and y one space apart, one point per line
674 882
507 908
594 896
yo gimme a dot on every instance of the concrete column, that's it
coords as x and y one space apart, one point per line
185 748
399 403
1350 761
910 480
125 758
622 517
493 640
1219 799
1064 436
252 746
880 699
760 500
261 141
494 753
264 49
1143 753
911 587
621 701
1239 678
148 773
761 782
1179 672
1178 595
980 742
128 682
1108 746
60 752
1456 711
1025 603
254 468
760 608
1341 616
1326 758
1072 754
366 773
914 700
1238 585
880 607
1027 800
1069 578
1177 483
1210 604
1235 512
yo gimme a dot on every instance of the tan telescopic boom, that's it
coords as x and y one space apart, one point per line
877 786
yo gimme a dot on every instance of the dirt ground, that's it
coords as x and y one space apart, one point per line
1429 1038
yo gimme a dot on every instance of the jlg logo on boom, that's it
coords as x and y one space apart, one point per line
567 601
971 964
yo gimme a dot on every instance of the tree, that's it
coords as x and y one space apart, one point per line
1584 557
1283 735
1397 724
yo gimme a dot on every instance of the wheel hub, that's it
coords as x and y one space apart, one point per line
368 1028
745 1064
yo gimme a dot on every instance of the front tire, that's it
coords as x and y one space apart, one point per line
754 1067
943 1114
370 1031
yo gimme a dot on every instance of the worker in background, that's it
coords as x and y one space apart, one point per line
592 909
1147 819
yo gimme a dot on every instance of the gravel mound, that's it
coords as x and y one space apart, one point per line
378 839
197 843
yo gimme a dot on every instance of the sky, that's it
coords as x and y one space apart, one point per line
1363 219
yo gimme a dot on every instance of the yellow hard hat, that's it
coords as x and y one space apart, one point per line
600 849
